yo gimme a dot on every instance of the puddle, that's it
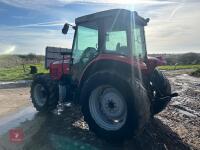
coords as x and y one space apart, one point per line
54 132
15 84
13 121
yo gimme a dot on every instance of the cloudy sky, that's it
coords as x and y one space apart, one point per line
30 25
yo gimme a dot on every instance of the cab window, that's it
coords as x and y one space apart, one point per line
116 42
139 47
86 44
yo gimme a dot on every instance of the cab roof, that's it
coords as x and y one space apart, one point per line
111 13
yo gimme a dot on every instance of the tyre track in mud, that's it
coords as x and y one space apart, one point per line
183 113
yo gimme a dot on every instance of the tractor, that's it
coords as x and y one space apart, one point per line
107 72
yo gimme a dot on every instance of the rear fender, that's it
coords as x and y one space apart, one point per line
124 70
153 62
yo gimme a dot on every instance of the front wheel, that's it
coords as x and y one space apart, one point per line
112 109
44 93
160 87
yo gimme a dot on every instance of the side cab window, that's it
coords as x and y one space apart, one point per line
86 44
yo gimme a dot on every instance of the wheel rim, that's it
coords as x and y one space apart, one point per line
108 108
40 95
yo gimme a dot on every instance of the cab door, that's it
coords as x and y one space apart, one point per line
85 47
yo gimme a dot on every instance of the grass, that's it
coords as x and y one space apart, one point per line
179 67
18 73
196 73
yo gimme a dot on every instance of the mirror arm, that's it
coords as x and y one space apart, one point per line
74 27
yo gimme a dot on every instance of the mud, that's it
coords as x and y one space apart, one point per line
177 127
183 113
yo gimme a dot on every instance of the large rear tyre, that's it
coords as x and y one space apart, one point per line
161 88
112 109
44 93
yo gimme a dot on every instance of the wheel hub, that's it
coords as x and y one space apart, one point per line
108 107
111 105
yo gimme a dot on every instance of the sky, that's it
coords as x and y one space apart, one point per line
28 26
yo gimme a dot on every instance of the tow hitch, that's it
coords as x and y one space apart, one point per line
169 96
159 103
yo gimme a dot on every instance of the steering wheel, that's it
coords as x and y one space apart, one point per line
88 54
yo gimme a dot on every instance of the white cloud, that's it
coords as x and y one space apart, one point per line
38 4
43 24
31 4
7 49
174 25
30 40
175 33
181 5
119 2
10 50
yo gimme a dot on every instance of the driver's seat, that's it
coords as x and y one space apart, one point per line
88 54
122 49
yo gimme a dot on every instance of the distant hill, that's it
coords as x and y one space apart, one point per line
181 59
7 61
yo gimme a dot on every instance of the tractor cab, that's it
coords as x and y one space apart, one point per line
113 34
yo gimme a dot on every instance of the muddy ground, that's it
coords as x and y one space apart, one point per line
177 127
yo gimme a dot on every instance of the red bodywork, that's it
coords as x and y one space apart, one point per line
57 69
120 58
124 59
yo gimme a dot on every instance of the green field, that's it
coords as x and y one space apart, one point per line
19 72
179 67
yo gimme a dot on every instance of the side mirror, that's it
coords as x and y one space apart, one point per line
65 28
147 20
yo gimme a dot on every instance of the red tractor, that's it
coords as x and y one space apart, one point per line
107 72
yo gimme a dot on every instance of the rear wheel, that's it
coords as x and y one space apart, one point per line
111 108
44 93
